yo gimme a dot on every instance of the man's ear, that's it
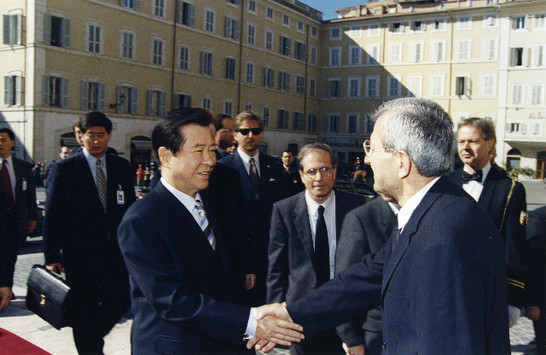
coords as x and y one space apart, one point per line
404 164
164 156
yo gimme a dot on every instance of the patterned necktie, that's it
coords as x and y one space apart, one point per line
322 250
204 223
254 177
7 187
101 184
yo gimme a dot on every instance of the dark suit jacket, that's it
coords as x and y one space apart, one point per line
25 210
178 282
291 253
536 259
258 207
76 225
442 289
365 230
293 179
496 188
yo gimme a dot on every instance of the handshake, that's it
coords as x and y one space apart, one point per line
274 327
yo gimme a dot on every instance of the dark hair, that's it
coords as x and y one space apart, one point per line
309 148
288 151
95 119
218 120
167 130
10 133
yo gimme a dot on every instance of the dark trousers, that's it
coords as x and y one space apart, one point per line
325 342
540 333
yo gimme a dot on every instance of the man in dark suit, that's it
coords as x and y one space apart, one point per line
292 173
501 197
299 260
87 195
263 183
440 278
364 231
17 211
176 255
224 136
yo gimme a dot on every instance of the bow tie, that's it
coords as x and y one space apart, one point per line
467 177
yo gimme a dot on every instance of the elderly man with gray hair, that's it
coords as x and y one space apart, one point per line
440 278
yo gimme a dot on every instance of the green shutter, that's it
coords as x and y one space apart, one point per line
162 103
45 91
102 101
85 95
64 93
47 29
8 90
133 94
65 35
149 108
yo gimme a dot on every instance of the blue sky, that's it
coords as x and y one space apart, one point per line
329 7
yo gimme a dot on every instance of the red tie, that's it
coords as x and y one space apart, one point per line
7 187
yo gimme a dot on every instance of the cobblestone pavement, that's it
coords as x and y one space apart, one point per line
18 320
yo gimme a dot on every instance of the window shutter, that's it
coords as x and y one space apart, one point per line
191 15
45 90
162 103
264 76
236 30
133 94
85 95
102 101
19 37
19 90
122 2
8 90
64 91
65 33
177 100
6 29
467 88
203 62
226 27
47 29
118 94
136 5
149 108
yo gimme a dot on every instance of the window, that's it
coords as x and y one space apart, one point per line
312 122
298 121
463 48
231 29
335 33
156 103
439 24
517 94
127 45
13 29
462 86
354 86
284 45
54 91
437 85
397 27
489 48
159 8
13 90
355 32
418 26
516 57
537 97
131 4
464 23
230 69
393 86
438 49
395 52
300 26
228 107
372 86
209 20
234 2
538 55
249 73
334 86
266 116
248 106
93 38
299 50
355 55
300 84
268 77
415 85
314 32
488 84
92 98
157 51
373 54
182 100
373 30
540 21
126 99
252 6
184 58
368 128
416 52
332 123
490 20
313 55
268 40
335 56
206 103
285 20
284 81
186 13
282 119
312 86
269 13
56 31
206 63
518 23
251 33
352 123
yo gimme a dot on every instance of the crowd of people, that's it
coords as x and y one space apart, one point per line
234 247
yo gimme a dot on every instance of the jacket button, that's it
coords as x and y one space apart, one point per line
384 346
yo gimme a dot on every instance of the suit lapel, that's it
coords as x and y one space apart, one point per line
489 186
88 185
341 211
246 184
387 219
301 222
17 170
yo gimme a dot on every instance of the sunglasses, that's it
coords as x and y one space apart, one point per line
246 131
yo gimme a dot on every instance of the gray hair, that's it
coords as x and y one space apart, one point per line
421 128
309 148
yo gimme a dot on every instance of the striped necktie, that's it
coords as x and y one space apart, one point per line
101 183
204 223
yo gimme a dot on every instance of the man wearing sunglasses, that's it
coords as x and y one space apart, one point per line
263 183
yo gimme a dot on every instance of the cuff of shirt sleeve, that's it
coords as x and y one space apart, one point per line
251 324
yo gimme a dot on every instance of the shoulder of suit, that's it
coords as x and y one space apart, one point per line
22 162
292 200
349 196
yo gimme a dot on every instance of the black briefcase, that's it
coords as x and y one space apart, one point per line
47 294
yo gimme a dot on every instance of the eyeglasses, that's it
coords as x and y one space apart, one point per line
368 149
246 131
323 171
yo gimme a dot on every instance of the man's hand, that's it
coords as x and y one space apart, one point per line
532 312
30 226
354 350
55 267
513 315
5 297
250 281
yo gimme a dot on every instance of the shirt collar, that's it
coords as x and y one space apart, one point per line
246 157
312 205
8 159
186 200
485 171
91 159
407 210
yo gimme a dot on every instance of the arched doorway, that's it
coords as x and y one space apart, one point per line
541 165
141 151
513 158
69 140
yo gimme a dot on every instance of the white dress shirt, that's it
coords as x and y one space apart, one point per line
474 188
246 160
92 161
406 211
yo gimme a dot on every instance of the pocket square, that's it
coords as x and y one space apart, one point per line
272 179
